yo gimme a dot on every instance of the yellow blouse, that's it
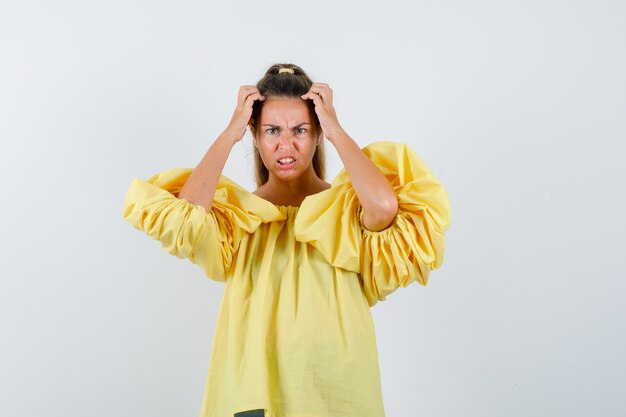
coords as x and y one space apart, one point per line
294 333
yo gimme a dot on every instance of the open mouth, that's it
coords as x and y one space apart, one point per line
286 162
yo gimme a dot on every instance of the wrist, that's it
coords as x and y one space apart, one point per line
337 135
229 137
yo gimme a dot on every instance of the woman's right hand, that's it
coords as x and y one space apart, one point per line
241 116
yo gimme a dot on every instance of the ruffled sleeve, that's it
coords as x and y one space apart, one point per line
407 250
186 230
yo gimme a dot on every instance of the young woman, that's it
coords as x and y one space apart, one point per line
303 260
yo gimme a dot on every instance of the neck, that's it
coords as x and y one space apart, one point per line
297 189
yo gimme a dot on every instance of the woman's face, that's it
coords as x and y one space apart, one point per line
286 137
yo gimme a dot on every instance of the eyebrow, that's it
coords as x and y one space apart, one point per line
301 124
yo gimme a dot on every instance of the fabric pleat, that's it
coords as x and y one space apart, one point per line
407 250
187 230
294 334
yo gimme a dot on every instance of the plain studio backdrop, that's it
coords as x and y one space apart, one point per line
518 108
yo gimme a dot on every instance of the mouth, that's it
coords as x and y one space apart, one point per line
286 163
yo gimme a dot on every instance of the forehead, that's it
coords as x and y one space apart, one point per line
281 110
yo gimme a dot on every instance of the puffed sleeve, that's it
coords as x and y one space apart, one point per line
186 230
407 250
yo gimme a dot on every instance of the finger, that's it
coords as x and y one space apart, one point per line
251 98
322 92
257 96
312 92
317 100
323 87
245 91
253 91
248 88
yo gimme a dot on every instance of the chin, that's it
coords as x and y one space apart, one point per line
287 176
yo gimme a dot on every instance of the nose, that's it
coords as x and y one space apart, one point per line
286 141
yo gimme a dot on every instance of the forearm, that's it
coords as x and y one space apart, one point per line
376 195
201 185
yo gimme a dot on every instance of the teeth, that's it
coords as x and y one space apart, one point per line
286 160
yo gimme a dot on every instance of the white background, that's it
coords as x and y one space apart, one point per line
518 108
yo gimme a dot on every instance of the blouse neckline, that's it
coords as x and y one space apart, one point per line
287 206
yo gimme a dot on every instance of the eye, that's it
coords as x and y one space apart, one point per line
301 130
270 130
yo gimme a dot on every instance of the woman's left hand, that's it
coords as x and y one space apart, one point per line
322 96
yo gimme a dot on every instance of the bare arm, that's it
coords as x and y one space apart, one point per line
375 193
201 185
